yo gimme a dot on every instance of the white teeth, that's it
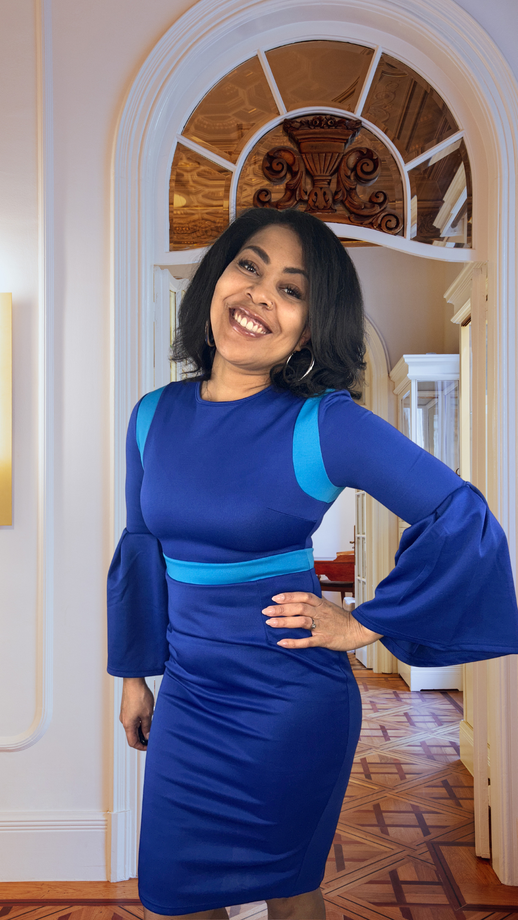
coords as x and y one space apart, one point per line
249 324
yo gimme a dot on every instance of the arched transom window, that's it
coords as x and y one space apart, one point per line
338 129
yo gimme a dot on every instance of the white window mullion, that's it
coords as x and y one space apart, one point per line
265 64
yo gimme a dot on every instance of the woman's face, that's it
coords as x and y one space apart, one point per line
259 310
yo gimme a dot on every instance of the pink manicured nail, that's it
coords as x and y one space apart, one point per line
279 597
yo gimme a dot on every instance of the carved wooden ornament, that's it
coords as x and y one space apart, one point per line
323 143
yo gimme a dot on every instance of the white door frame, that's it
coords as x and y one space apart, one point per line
446 45
380 525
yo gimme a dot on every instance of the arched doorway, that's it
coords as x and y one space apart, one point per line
438 42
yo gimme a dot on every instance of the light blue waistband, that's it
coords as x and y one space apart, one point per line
231 573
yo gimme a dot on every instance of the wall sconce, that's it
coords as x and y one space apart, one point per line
6 410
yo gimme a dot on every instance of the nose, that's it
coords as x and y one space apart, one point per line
260 294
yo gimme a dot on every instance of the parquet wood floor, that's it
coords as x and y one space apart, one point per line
403 849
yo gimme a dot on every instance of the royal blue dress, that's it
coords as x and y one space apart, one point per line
251 744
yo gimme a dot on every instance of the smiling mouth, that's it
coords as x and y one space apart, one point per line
248 323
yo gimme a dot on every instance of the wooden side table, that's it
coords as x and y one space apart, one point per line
339 571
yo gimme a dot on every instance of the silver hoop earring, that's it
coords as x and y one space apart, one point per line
288 367
207 335
311 366
287 372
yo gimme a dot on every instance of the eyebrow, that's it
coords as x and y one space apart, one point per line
266 258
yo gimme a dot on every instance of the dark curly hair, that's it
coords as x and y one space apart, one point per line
335 317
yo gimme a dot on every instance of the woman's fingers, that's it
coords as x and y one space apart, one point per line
295 604
335 627
298 597
133 739
299 610
293 610
293 622
145 725
133 735
310 642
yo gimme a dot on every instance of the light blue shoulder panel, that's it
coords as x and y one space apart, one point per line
145 413
308 463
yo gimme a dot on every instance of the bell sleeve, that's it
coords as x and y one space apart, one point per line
137 589
450 598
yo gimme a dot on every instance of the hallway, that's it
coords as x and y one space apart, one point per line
403 847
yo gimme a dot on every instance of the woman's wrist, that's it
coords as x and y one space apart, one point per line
364 635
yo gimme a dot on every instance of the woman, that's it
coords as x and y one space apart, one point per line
229 474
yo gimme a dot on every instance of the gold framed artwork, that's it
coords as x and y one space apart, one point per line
6 410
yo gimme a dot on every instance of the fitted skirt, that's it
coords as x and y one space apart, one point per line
249 754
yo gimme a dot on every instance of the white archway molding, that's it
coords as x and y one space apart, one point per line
381 524
378 397
454 53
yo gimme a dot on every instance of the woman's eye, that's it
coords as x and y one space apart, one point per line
293 291
247 265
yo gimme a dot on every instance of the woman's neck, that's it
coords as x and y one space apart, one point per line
228 383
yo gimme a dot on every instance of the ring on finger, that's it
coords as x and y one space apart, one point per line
313 624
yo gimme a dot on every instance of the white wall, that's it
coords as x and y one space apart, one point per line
500 21
336 531
404 298
19 274
55 793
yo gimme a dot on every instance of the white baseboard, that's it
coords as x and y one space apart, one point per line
52 846
448 678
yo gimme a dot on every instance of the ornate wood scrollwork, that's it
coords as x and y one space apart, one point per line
325 173
276 165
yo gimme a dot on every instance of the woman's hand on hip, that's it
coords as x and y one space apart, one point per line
331 626
136 710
